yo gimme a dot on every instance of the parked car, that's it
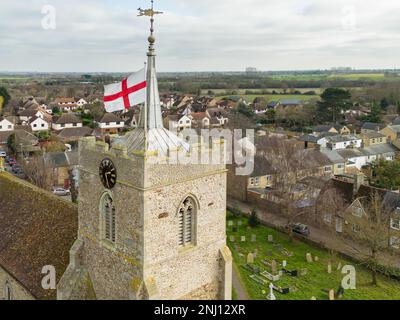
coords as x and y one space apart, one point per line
301 229
12 162
61 192
3 154
16 168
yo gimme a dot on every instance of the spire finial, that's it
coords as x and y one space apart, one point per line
150 13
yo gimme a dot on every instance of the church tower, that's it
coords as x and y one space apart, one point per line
149 227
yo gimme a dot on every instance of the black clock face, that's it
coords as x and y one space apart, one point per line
108 173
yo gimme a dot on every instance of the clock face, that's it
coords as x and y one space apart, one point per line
108 173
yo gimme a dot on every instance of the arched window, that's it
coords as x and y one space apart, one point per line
108 218
186 216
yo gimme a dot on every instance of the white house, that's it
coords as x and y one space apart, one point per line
110 123
6 125
179 122
38 124
81 103
338 142
67 120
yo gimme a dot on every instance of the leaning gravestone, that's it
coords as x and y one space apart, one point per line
232 238
270 238
230 223
316 259
253 238
250 258
243 238
329 267
274 266
331 294
309 257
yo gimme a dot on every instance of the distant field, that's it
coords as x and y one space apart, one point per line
357 76
243 91
273 97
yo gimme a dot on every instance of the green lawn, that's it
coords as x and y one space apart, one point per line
317 277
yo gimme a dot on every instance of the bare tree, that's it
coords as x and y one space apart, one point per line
36 172
370 233
292 189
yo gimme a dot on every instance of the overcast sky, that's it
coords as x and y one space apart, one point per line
200 35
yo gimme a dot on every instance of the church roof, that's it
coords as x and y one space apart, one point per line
36 229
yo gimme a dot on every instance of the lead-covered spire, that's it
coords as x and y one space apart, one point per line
150 116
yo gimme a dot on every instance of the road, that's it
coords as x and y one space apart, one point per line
318 235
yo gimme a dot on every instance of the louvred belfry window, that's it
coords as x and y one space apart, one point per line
186 216
108 219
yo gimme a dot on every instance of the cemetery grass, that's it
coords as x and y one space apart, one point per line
317 277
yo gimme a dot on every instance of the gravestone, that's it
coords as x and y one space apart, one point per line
329 267
239 223
284 263
243 238
255 253
230 223
331 294
250 258
232 238
271 295
313 298
270 238
274 266
309 257
253 238
316 259
339 266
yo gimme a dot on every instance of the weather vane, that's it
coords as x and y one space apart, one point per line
149 13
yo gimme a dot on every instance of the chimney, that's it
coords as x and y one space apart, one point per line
358 182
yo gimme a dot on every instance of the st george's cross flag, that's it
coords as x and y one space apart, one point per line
128 93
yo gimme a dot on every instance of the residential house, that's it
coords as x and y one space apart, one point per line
177 122
338 129
338 142
74 134
290 103
316 141
259 108
218 117
34 111
352 200
200 119
110 123
59 165
391 132
380 151
355 159
273 105
81 103
338 162
371 127
6 125
373 138
67 120
38 124
67 104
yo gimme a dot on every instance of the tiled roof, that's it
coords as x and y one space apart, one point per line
67 118
36 229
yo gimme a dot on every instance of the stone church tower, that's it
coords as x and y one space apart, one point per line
149 228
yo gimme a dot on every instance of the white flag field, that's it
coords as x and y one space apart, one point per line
126 94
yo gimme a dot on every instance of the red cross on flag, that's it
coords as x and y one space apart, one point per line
128 93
